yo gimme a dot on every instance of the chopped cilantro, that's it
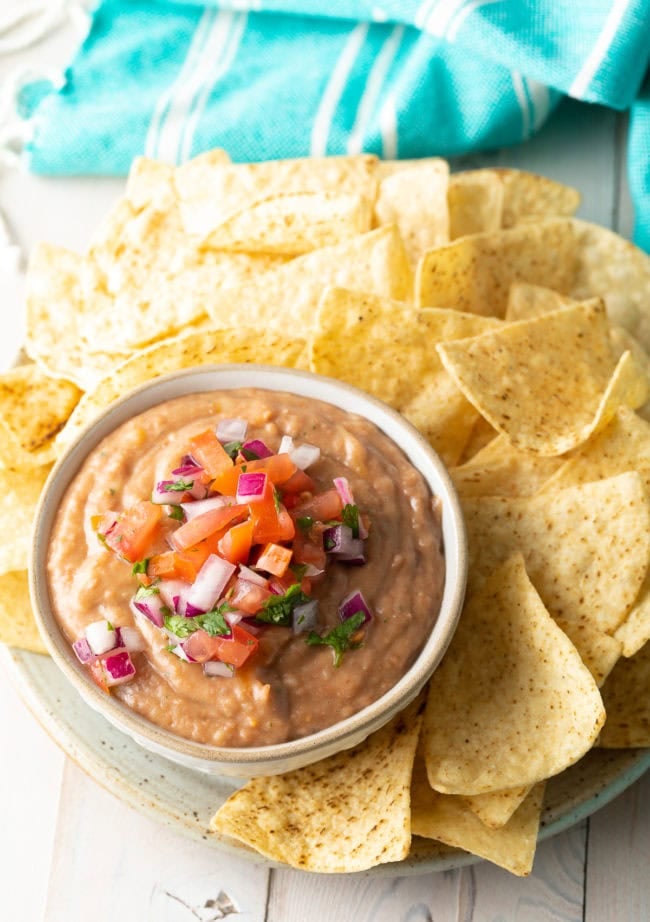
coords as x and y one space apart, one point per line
298 569
276 499
250 455
350 516
305 522
340 637
177 486
212 622
278 608
180 625
243 468
145 591
176 513
140 566
232 448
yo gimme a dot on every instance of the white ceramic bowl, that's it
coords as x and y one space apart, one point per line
262 760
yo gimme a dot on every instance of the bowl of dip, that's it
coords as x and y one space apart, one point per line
248 568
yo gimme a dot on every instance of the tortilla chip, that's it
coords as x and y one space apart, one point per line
482 434
293 224
415 199
346 813
388 349
611 267
209 193
287 299
152 280
627 699
634 632
17 624
192 350
499 469
449 819
20 489
566 539
475 201
55 305
598 651
527 195
474 274
516 715
150 182
495 809
526 301
547 383
33 408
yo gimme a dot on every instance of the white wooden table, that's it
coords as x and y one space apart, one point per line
70 852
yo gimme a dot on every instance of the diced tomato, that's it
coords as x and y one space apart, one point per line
237 649
300 482
323 507
278 468
308 548
210 453
173 565
201 646
235 545
98 675
131 536
274 559
205 524
248 597
271 521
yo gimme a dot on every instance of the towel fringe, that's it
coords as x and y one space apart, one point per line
35 19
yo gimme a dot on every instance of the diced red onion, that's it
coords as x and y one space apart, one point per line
188 470
276 587
258 447
215 667
173 592
232 430
118 667
130 638
344 490
161 496
251 576
312 572
101 637
304 616
151 607
82 650
338 539
287 445
200 506
191 611
353 603
305 455
210 582
356 557
199 489
252 625
251 487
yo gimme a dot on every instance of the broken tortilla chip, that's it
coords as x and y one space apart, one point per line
474 274
415 199
345 813
547 383
20 488
627 699
17 624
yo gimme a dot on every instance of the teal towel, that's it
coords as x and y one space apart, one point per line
285 78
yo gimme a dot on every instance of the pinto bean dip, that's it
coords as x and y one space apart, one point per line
285 679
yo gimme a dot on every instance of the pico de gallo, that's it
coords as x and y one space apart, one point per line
230 544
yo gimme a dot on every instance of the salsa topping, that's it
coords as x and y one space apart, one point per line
254 535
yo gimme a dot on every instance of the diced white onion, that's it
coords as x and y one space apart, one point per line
286 445
191 510
304 616
180 653
232 430
215 667
210 582
132 639
251 576
305 455
101 638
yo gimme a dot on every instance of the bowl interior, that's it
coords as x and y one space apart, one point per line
348 732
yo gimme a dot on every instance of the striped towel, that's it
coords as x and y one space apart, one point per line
284 78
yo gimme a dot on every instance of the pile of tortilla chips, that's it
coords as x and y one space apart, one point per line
512 335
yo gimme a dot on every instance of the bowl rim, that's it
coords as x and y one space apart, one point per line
337 736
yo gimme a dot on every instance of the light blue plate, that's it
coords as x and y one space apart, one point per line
185 799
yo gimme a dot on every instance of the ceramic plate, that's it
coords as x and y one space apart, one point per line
186 799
